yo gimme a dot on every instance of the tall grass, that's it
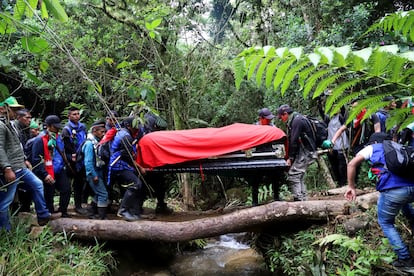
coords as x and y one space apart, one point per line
22 253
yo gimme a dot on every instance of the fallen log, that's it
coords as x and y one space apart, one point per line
237 221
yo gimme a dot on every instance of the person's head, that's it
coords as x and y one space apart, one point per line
392 104
11 107
98 129
74 114
283 112
24 117
111 118
378 137
265 116
34 128
130 124
53 123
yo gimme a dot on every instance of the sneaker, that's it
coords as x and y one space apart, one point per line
405 265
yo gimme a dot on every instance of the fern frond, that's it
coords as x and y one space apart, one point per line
260 70
304 74
325 83
378 63
344 101
271 70
290 75
399 22
396 117
339 91
310 82
281 71
239 71
252 65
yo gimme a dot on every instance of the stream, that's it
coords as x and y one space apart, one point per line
223 255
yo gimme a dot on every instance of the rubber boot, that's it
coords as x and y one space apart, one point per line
102 212
4 221
128 203
93 210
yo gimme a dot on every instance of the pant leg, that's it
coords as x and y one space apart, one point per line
296 174
6 198
35 186
99 189
78 182
63 186
390 203
342 168
134 195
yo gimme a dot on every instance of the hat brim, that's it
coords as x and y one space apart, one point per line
58 125
15 105
269 117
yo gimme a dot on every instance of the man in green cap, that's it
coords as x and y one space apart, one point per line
14 169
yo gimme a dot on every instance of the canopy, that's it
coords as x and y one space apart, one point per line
175 146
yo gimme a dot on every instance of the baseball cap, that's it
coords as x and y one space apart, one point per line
12 102
266 113
378 137
284 108
53 120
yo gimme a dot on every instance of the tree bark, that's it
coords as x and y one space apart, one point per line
248 219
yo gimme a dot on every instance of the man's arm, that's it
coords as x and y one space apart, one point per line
350 193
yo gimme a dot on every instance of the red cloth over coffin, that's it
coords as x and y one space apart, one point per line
175 146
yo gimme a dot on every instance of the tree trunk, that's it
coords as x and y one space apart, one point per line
248 219
326 173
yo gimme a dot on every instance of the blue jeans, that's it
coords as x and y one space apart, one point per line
101 194
390 203
35 187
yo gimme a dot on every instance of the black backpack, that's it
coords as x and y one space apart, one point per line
104 151
319 130
399 158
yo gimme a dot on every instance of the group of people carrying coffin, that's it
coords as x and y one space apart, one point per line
64 156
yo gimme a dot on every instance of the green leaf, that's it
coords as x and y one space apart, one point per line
281 71
327 53
282 52
4 92
364 54
393 49
156 23
238 67
290 75
260 70
408 55
310 82
19 9
34 45
324 84
43 11
271 68
314 58
33 78
123 64
253 64
297 52
43 66
56 10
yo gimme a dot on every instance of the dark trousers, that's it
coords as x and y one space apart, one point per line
134 195
157 186
62 184
79 184
337 159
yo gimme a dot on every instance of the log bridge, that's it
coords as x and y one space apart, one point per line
204 225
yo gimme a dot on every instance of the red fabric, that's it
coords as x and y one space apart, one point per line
109 136
47 158
357 121
171 147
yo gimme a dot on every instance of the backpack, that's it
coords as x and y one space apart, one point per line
319 130
104 151
399 158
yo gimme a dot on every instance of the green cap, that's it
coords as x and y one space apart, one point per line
34 125
12 102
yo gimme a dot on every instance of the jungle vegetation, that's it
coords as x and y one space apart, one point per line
206 63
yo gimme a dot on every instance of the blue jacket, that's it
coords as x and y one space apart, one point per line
73 137
90 160
122 148
38 155
386 179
